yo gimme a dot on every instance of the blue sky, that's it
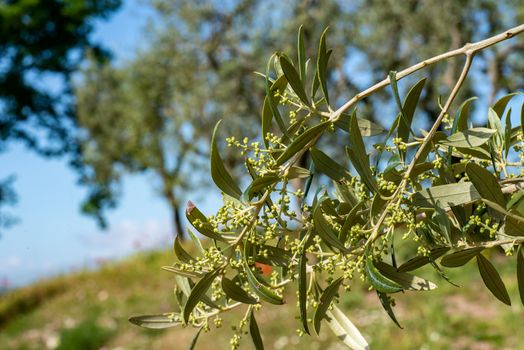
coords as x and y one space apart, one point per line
52 235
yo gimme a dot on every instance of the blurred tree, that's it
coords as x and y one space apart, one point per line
42 43
156 113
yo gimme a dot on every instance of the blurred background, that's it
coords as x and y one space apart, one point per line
106 112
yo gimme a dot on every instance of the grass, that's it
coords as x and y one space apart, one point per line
89 310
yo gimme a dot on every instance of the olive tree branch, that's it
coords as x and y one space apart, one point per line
468 49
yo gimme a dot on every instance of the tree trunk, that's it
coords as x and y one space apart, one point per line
177 222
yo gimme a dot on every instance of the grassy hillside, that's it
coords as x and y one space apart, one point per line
89 310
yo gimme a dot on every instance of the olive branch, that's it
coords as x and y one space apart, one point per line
449 194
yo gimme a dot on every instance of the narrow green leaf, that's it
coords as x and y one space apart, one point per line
520 273
198 292
324 230
419 261
386 304
201 223
328 166
367 127
180 252
302 141
270 108
261 290
380 282
512 226
461 120
408 109
474 137
196 242
255 332
302 291
345 330
447 195
325 301
181 272
495 124
322 61
301 54
486 184
461 257
294 79
507 134
501 104
260 184
237 293
195 339
357 153
219 173
296 172
405 280
159 321
492 279
522 118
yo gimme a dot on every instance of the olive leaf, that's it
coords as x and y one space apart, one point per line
294 79
380 282
301 50
461 257
407 110
461 119
255 332
486 184
269 107
447 195
324 230
357 153
237 293
345 330
201 223
328 166
322 60
492 279
520 273
181 272
198 292
159 321
259 185
325 301
367 127
195 339
219 173
302 141
405 280
419 261
302 291
262 290
501 104
386 304
474 137
180 252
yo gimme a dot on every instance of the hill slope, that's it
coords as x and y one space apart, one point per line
89 310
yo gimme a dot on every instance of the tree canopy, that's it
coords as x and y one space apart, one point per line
42 44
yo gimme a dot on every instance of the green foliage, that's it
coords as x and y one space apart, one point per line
87 335
350 231
38 40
